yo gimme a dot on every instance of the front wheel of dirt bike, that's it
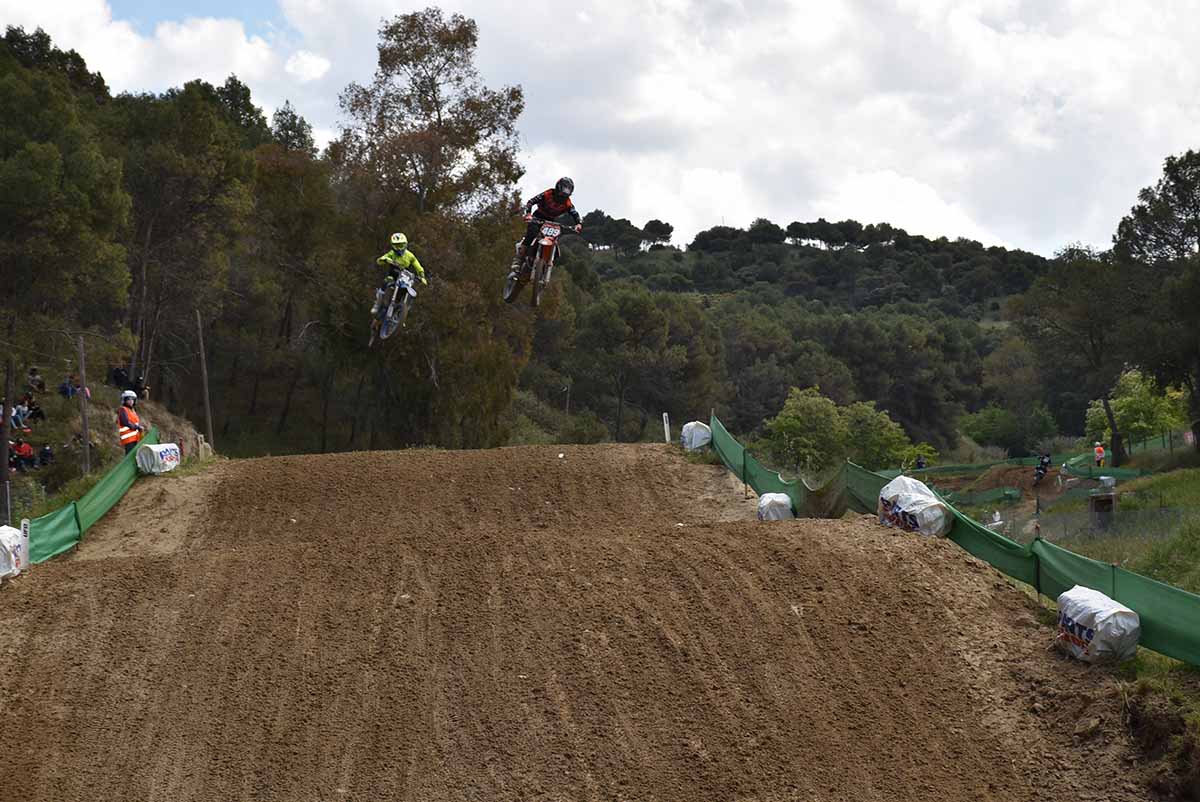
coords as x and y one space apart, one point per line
512 286
405 305
538 282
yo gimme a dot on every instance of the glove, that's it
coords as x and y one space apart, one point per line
578 228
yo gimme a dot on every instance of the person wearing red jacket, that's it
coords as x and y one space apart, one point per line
24 455
549 205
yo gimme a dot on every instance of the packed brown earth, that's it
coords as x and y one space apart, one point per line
512 625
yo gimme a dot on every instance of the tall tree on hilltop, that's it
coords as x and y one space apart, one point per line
1076 318
1164 226
426 133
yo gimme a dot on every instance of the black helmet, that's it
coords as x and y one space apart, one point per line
564 187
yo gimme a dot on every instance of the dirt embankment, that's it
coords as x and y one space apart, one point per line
508 625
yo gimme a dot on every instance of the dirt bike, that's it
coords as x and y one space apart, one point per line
537 265
1039 473
391 315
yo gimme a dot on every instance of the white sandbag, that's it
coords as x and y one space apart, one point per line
775 507
158 459
908 504
12 552
695 435
1094 628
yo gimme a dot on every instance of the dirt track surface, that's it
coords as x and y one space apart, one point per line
507 625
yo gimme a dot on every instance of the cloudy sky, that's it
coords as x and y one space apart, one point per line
1017 122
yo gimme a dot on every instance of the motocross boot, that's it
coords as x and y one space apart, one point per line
519 259
378 301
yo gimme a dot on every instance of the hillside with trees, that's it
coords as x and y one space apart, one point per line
125 215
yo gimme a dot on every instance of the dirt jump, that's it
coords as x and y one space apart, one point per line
512 625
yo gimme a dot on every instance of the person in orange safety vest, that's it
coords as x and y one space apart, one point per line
1099 452
129 427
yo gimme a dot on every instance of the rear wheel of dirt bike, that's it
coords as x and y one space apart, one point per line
538 286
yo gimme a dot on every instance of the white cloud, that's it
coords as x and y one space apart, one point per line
1009 121
177 51
306 66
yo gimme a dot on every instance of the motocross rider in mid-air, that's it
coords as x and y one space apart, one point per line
551 205
397 259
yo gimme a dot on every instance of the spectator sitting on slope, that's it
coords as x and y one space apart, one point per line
36 383
24 454
35 411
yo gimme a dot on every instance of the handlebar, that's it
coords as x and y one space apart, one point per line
565 228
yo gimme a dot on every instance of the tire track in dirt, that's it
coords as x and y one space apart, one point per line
506 625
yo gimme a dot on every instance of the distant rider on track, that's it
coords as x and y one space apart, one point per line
551 205
397 259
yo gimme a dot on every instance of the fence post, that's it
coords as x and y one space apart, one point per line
745 489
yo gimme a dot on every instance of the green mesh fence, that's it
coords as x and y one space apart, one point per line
59 531
1170 617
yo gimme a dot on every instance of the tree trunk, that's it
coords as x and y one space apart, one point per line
357 413
287 402
141 315
254 394
326 391
1117 446
620 408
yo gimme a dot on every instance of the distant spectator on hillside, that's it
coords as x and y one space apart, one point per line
36 413
46 456
36 383
69 387
120 378
140 387
921 463
19 413
24 455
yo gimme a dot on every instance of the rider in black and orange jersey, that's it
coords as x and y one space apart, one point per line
551 205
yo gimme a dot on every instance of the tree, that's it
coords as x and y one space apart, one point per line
188 174
62 207
1076 317
35 51
427 132
874 441
234 98
763 232
808 434
1165 224
656 231
292 131
624 351
1141 409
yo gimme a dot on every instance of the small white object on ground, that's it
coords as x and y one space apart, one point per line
775 507
694 436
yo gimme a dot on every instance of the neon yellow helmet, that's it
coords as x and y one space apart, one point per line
399 242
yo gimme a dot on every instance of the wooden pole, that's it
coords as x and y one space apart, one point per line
208 429
83 408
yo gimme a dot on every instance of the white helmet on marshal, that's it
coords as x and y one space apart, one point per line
128 395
